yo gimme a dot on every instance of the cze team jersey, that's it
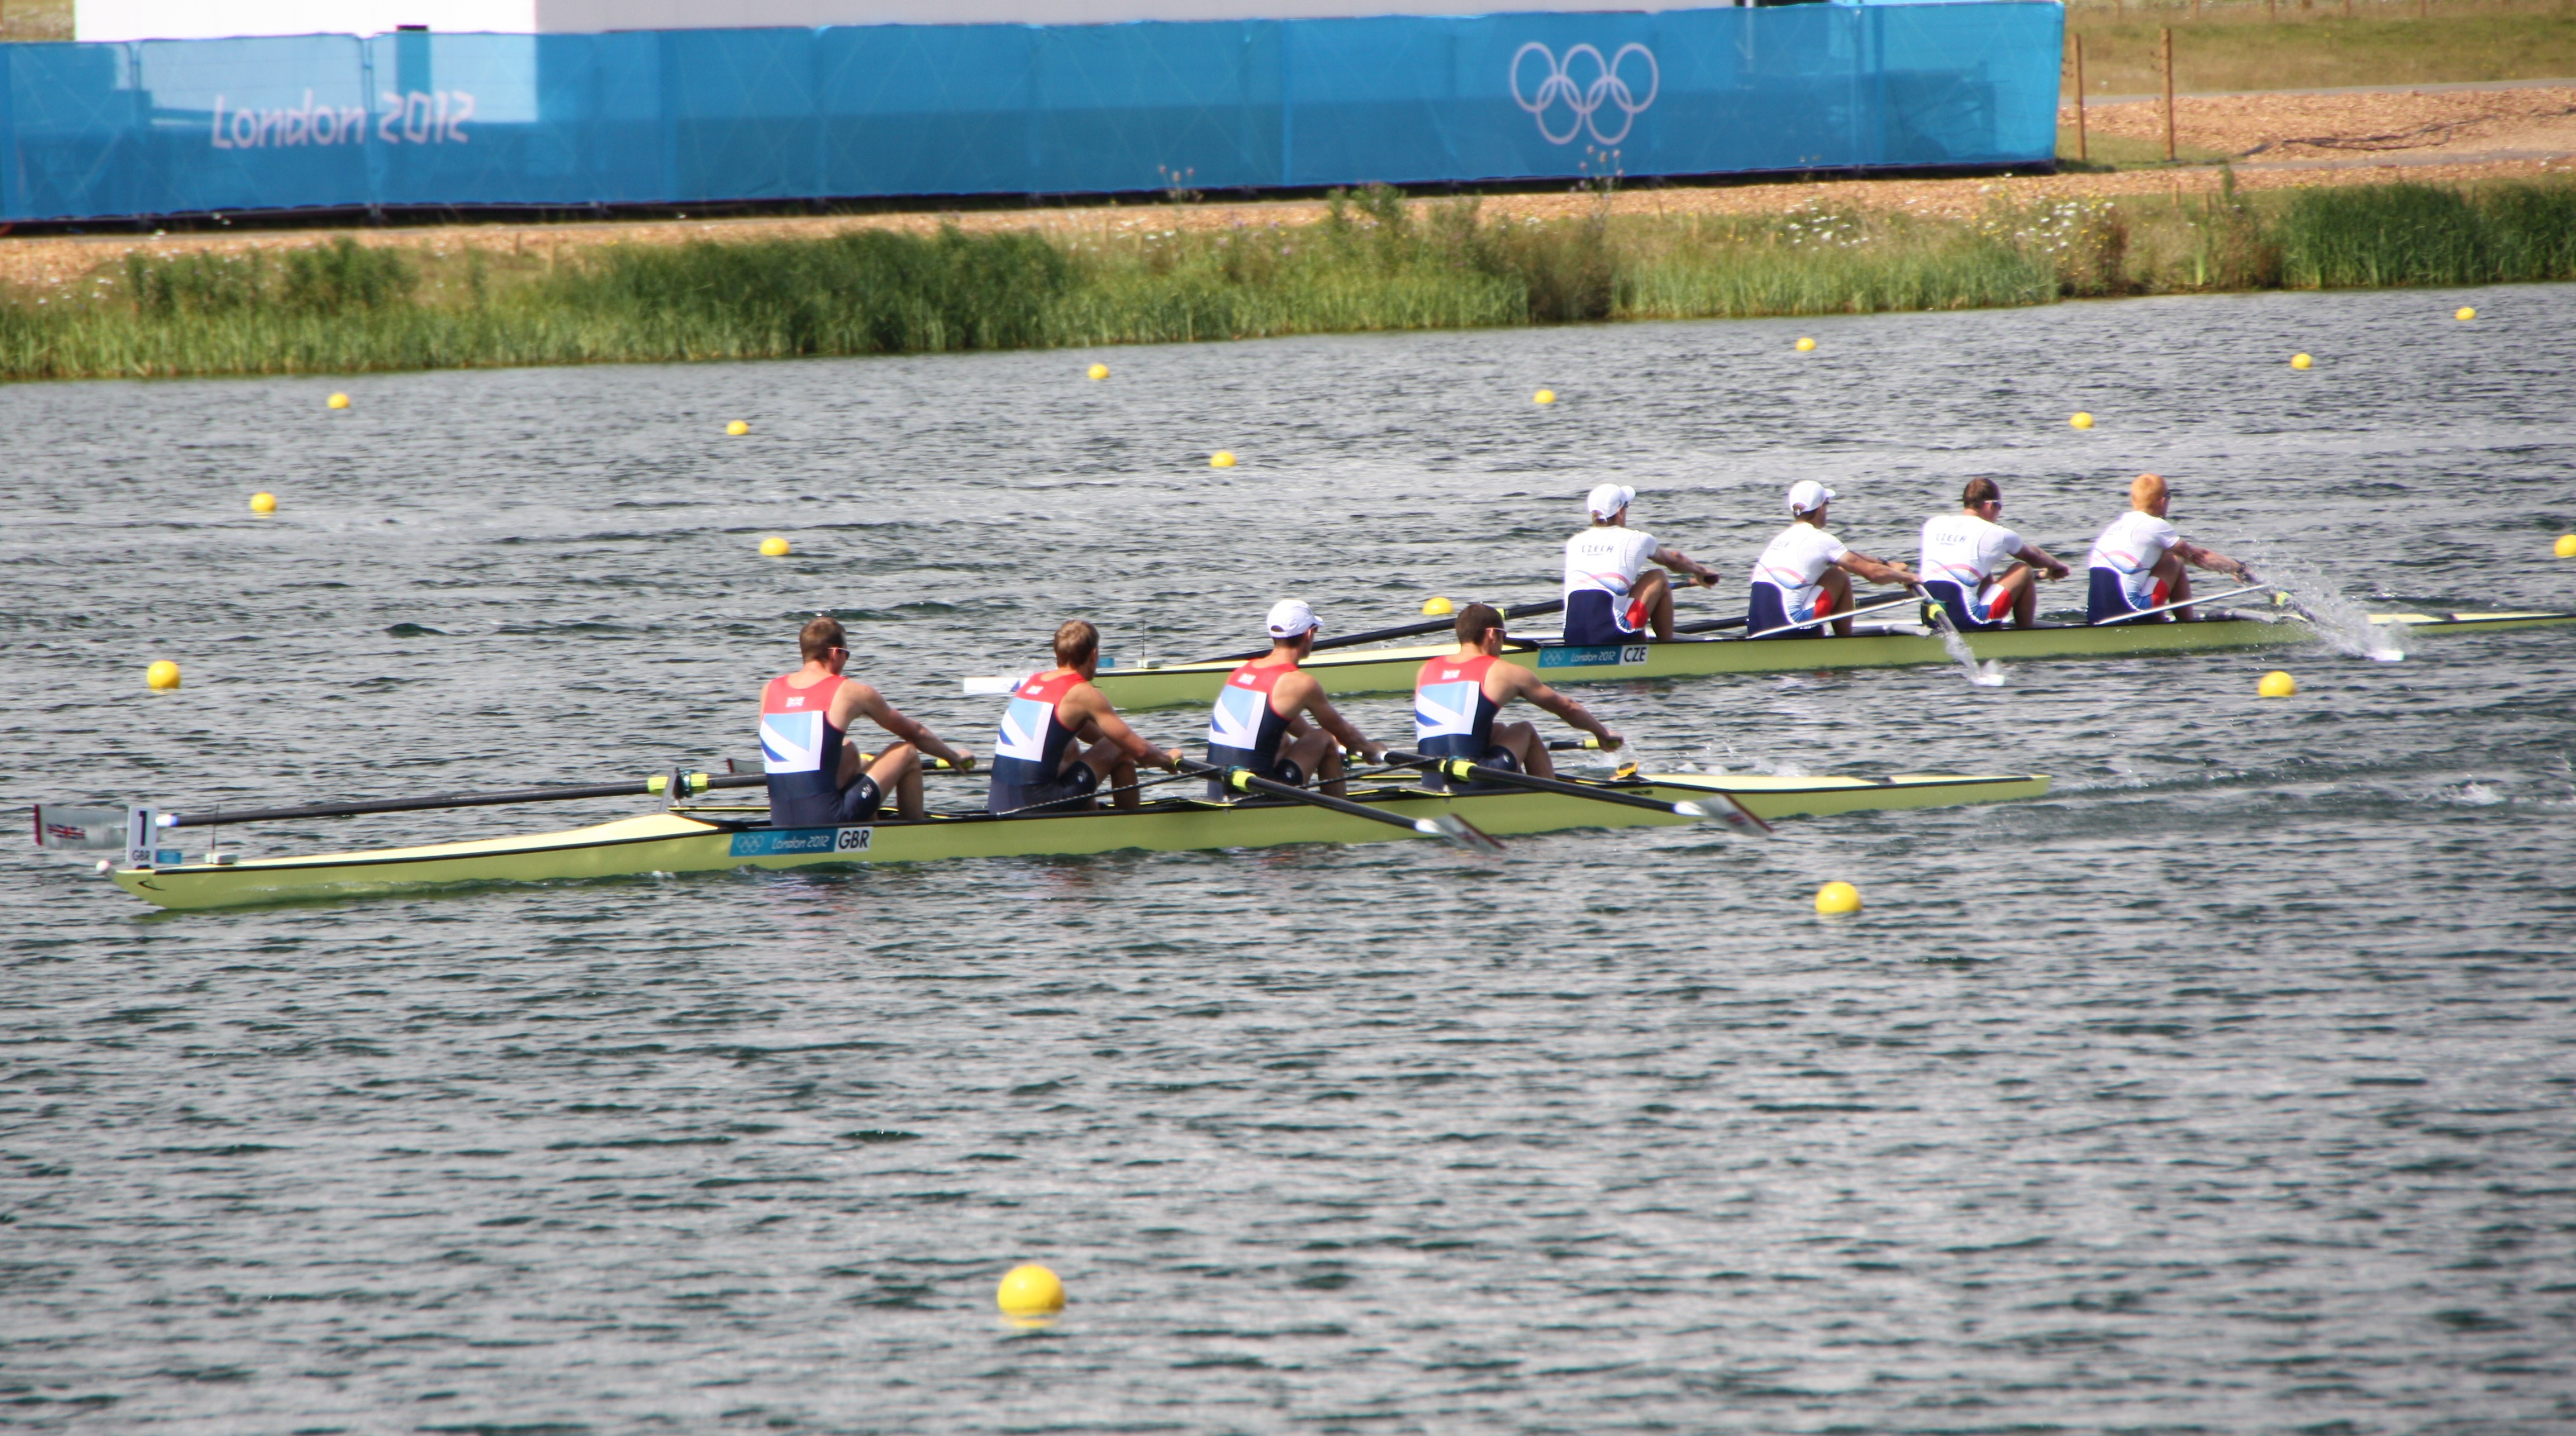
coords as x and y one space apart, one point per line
2122 565
1962 557
1029 750
800 750
1788 579
1601 567
1244 729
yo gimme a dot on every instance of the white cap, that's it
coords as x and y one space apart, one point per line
1606 500
1806 496
1290 617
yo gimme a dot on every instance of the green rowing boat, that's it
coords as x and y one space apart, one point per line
706 840
1391 670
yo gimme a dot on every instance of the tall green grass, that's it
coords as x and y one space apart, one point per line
1376 262
2406 234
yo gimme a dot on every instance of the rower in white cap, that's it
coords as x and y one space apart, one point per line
1805 576
1610 595
1259 722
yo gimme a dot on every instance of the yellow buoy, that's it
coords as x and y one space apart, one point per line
2464 314
1805 344
1030 1291
2277 684
1437 606
2567 545
2081 420
263 503
773 547
1221 459
1835 899
737 428
1096 371
162 676
338 401
2300 361
1544 396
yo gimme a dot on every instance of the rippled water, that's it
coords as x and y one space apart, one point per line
2226 1090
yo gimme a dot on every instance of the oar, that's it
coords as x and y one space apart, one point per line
1825 618
1466 772
1401 630
1448 825
1951 638
655 786
1712 625
2119 618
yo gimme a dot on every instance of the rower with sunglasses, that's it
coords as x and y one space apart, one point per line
815 777
1979 570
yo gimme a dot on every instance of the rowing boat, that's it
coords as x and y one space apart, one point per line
1391 670
687 839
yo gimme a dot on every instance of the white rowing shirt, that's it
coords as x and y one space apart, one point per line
1607 559
1968 551
2129 550
1794 563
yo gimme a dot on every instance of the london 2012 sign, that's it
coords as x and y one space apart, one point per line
1584 91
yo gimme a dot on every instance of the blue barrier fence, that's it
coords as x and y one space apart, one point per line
695 116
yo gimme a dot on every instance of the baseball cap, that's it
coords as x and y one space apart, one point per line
1290 617
1608 499
1806 496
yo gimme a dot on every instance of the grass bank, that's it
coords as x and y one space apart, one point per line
1377 262
2228 45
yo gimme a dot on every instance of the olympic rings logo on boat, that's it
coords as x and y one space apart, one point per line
1581 89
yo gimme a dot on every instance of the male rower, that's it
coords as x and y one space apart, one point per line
2137 563
1978 569
1259 722
1060 738
1804 576
815 777
1610 596
1455 700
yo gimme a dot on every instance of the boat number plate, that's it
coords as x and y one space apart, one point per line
1606 656
788 842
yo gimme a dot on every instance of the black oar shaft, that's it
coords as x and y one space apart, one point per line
1506 777
641 789
1402 630
1237 778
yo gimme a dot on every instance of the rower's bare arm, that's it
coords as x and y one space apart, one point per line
2211 559
1328 718
2041 559
866 702
1087 703
1680 562
1861 565
1527 685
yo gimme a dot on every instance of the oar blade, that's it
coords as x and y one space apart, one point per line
1461 832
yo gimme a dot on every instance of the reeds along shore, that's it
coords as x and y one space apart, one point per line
1378 262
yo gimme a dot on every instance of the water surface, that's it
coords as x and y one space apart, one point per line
2225 1090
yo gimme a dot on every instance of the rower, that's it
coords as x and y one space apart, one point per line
1455 700
816 779
2137 563
1805 574
1036 760
1978 569
1259 722
1606 600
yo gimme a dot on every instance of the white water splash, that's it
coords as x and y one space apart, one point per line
1989 675
2344 625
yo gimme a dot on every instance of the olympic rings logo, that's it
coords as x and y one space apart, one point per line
1582 95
